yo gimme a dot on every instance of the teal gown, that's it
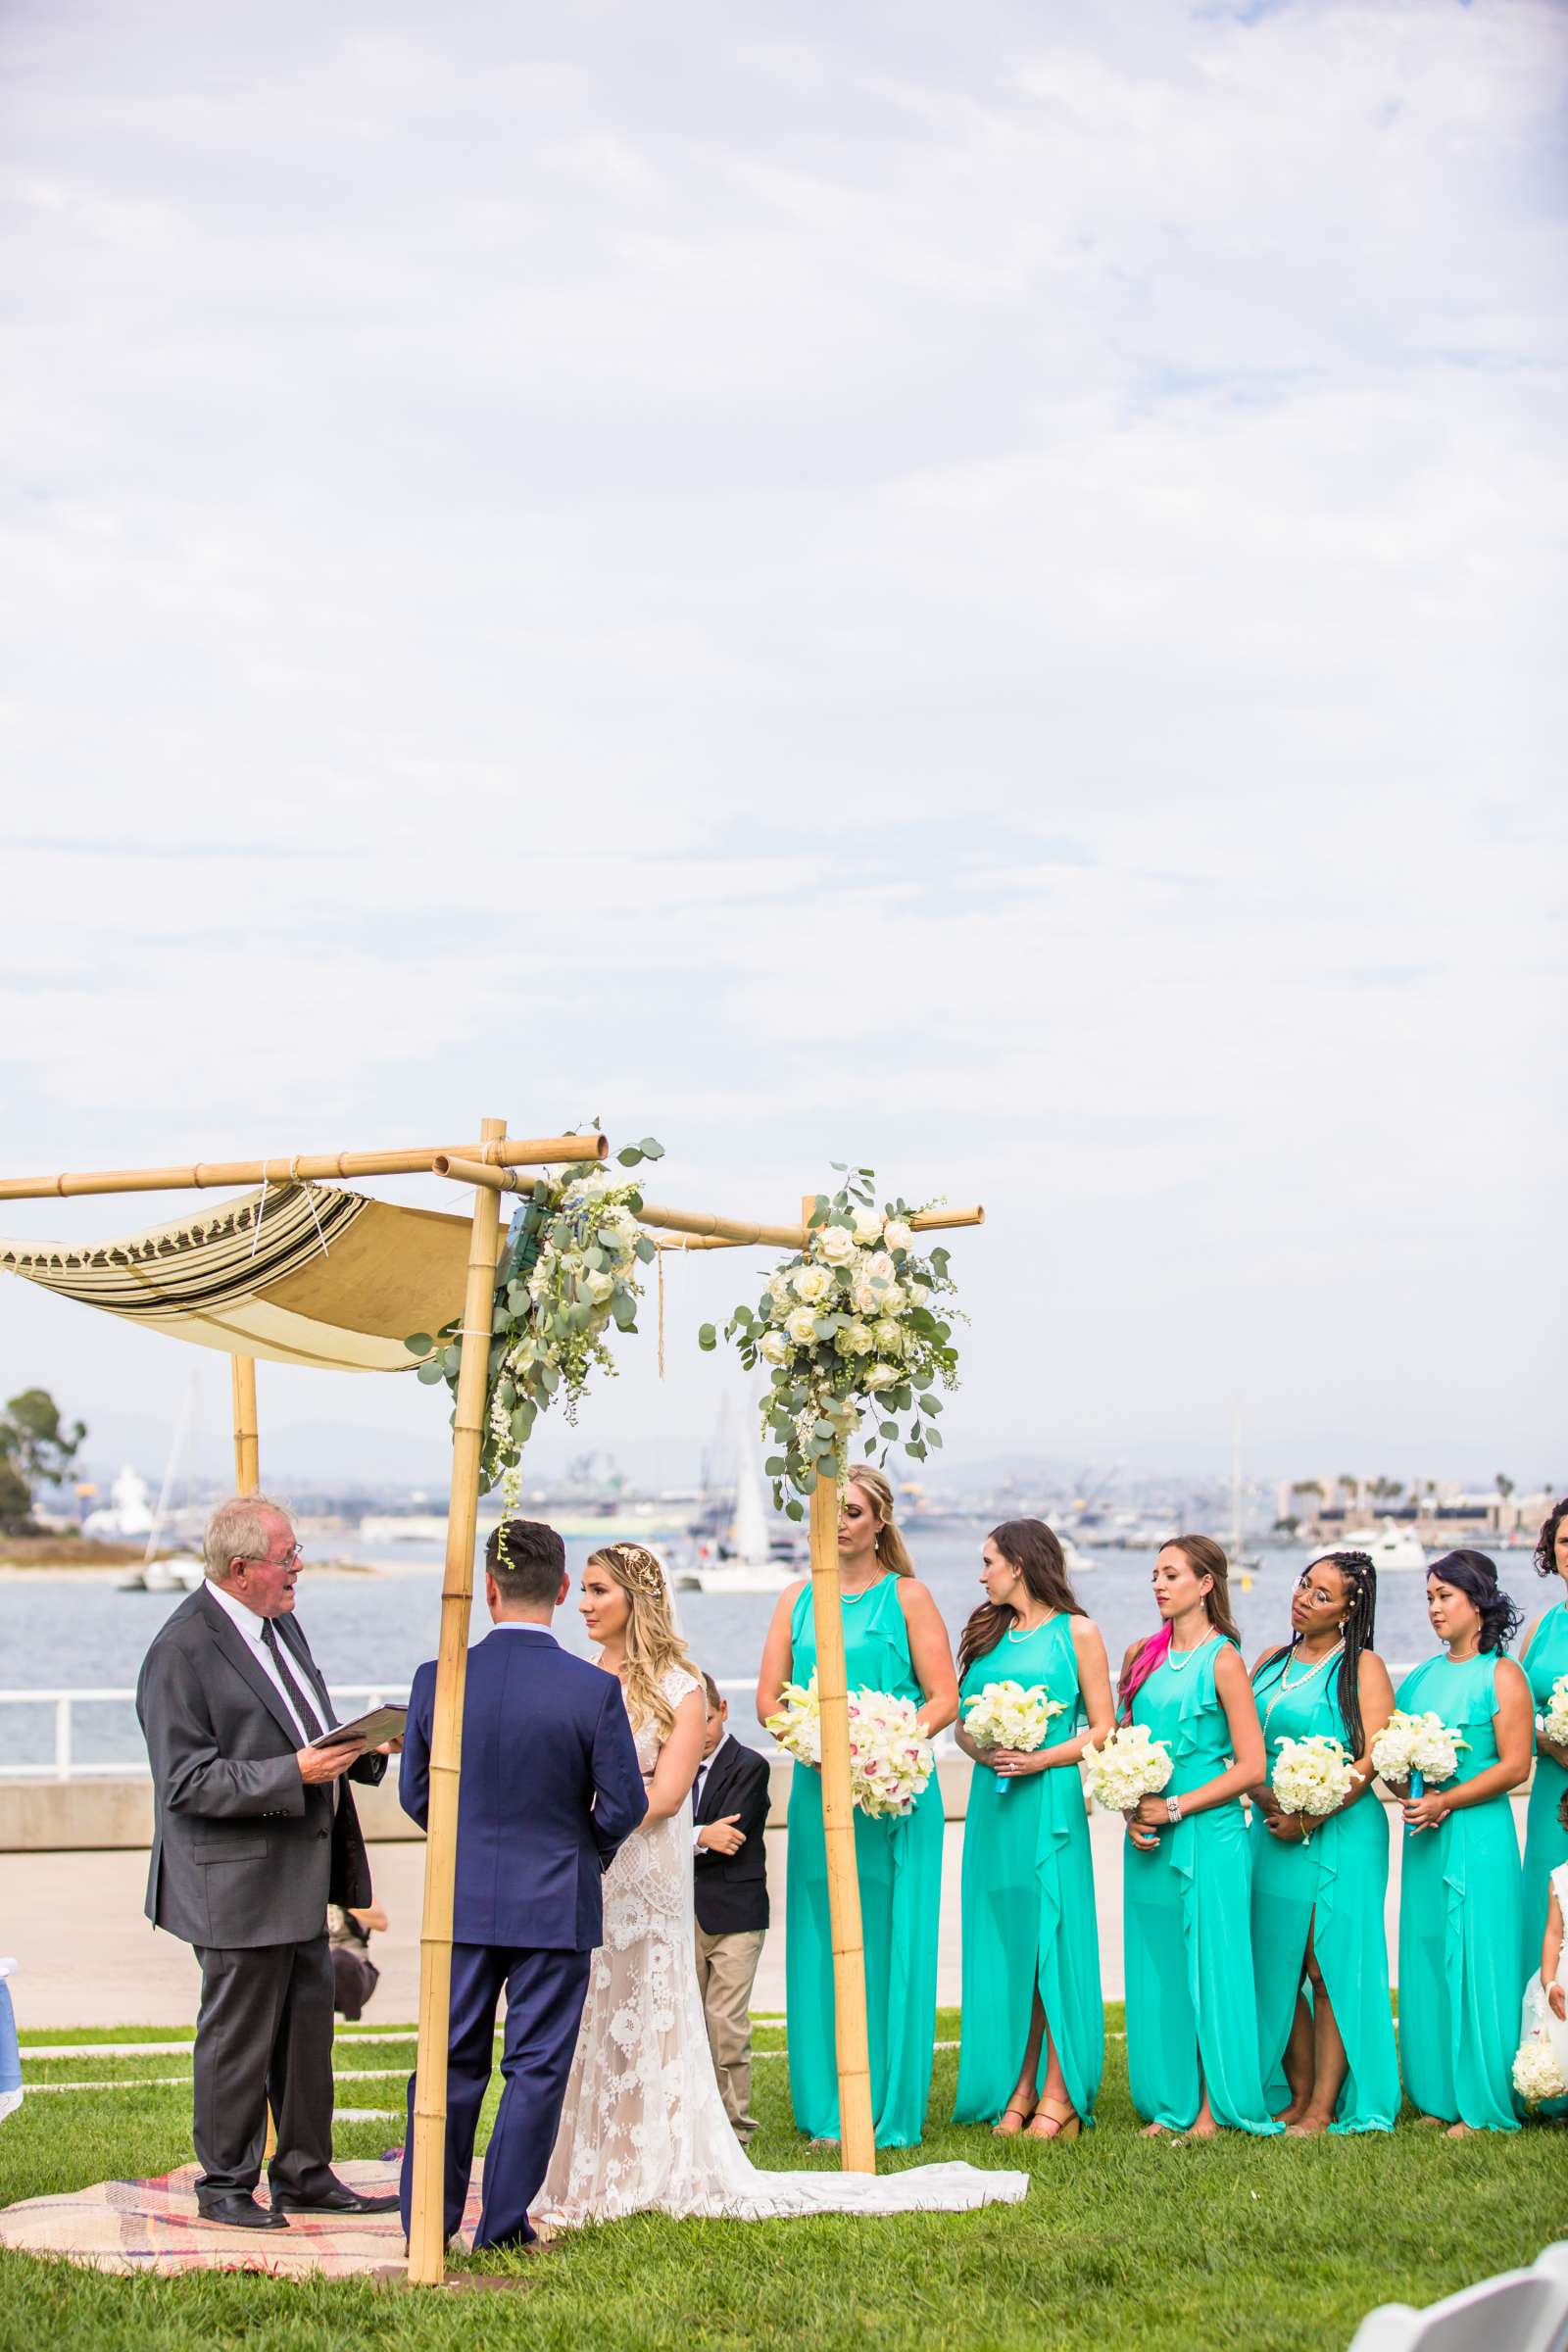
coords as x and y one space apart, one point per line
1333 1886
1459 1908
1546 1838
1190 1999
1029 1900
900 1865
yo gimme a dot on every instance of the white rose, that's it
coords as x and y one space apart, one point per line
836 1245
880 1266
802 1327
917 1292
598 1287
811 1283
773 1348
887 1336
867 1226
892 1300
898 1235
855 1339
865 1296
882 1376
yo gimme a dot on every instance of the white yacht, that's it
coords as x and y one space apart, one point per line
1388 1547
749 1563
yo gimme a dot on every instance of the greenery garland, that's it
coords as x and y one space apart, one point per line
568 1274
846 1324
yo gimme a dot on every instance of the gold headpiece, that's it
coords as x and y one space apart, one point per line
641 1567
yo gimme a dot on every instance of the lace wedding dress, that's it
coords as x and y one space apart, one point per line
643 2124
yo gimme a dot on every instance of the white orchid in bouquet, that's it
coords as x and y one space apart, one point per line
891 1759
1537 2075
845 1323
1417 1749
1313 1774
568 1274
1552 1723
1007 1715
1127 1764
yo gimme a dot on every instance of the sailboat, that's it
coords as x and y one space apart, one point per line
748 1563
181 1571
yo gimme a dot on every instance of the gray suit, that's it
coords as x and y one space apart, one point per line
245 1860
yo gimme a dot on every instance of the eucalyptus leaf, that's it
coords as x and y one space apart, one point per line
429 1372
707 1338
418 1342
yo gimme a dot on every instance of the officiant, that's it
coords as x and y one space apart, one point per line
254 1833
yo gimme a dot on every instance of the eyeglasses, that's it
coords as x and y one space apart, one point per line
291 1559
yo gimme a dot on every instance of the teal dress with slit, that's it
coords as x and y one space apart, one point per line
1192 2004
1546 1837
1459 1912
1029 1898
899 1866
1331 1889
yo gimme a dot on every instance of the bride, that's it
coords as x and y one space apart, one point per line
643 2124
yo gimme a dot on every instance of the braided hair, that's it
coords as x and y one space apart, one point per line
1359 1628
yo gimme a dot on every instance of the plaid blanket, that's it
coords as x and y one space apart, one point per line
150 2226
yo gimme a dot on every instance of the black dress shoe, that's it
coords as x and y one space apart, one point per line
333 2201
239 2210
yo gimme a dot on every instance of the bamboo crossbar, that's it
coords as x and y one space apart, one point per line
308 1167
728 1233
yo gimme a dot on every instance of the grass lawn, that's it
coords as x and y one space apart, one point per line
1121 2241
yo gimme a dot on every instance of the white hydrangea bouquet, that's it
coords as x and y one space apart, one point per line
890 1758
1537 2075
845 1323
1313 1774
567 1276
1007 1715
1127 1764
1419 1748
1553 1722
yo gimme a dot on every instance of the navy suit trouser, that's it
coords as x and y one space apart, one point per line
545 1993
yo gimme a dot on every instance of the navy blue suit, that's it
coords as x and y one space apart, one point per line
550 1789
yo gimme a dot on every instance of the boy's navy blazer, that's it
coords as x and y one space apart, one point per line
550 1789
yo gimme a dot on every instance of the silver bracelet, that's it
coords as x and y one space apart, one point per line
1173 1808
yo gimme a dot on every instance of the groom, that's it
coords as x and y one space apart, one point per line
550 1789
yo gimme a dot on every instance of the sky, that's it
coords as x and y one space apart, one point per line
966 590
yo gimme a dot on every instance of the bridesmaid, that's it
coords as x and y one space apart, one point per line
1033 2031
894 1640
1191 2008
1459 1935
1319 1882
1544 1657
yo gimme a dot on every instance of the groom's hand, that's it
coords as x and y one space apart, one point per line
721 1836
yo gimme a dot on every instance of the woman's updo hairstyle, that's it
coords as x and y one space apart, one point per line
1476 1577
1546 1541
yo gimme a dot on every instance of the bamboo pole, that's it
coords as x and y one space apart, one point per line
304 1167
247 1443
707 1232
426 2231
851 2043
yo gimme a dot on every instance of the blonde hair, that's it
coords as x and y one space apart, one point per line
891 1552
653 1646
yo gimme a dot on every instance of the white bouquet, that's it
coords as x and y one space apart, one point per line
1537 2076
1313 1774
1553 1724
890 1758
1128 1763
1006 1715
1417 1749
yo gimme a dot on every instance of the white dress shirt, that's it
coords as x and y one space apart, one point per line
250 1626
699 1784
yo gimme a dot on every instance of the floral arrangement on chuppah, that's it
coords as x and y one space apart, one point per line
568 1275
846 1323
890 1759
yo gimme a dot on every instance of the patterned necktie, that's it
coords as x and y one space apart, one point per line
313 1726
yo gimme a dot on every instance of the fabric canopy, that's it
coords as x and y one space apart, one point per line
296 1273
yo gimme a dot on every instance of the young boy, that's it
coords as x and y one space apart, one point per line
729 1807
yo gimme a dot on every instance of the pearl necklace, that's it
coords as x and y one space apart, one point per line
1285 1683
1015 1636
1186 1655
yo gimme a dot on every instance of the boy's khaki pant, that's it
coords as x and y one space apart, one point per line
726 1966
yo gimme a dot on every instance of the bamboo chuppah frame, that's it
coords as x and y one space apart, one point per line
850 2031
